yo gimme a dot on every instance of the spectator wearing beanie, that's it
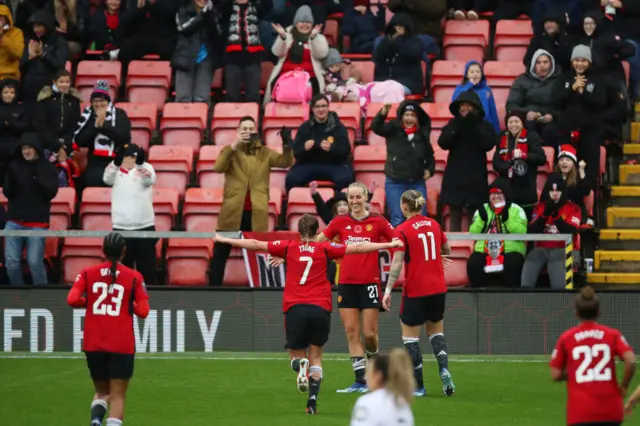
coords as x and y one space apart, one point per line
320 10
468 138
103 129
516 159
14 121
132 180
45 54
194 59
11 45
107 30
362 25
499 216
30 185
299 47
554 38
410 158
555 215
244 51
475 80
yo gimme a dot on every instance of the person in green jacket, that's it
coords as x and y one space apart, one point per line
498 262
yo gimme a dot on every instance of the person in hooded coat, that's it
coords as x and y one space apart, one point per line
410 157
499 216
556 215
554 38
14 121
517 157
30 184
44 55
11 45
475 80
398 56
468 138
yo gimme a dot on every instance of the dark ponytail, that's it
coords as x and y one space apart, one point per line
113 248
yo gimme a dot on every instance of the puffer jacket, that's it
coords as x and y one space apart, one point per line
195 29
532 93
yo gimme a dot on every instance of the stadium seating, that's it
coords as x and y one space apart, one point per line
445 76
188 261
456 274
300 202
512 39
350 116
226 117
165 205
439 113
144 120
79 253
465 40
91 71
183 124
366 68
173 165
95 209
63 207
277 115
205 175
148 81
331 32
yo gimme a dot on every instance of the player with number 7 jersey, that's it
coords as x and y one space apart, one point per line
585 357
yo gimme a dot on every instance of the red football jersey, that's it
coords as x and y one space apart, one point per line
108 322
306 282
359 268
423 239
588 352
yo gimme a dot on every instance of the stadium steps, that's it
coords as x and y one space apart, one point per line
625 196
617 261
623 217
630 174
631 151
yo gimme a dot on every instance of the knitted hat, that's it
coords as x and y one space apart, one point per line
555 182
101 90
581 51
333 58
131 150
568 151
520 114
303 14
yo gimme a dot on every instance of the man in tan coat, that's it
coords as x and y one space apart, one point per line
246 165
11 45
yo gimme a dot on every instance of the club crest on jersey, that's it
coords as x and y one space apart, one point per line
357 229
369 227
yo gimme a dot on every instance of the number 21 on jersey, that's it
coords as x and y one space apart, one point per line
585 372
102 306
429 245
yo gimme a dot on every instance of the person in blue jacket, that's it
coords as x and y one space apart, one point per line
475 80
362 25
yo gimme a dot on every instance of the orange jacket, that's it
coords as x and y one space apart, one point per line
11 47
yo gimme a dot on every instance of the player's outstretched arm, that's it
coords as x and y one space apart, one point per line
243 244
394 273
629 359
632 401
369 247
75 297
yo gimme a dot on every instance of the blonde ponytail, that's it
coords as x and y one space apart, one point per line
413 200
400 380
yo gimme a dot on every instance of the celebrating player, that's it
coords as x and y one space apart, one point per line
585 357
359 279
307 301
424 291
114 293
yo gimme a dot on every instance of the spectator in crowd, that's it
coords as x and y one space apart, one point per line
150 26
427 18
132 180
30 185
11 45
410 158
398 56
498 262
341 79
475 80
466 9
14 121
570 10
58 114
623 18
362 25
582 97
320 10
554 39
107 31
509 9
556 215
299 47
246 165
468 138
516 159
72 23
322 149
573 173
103 129
194 59
25 11
532 94
244 50
45 53
267 32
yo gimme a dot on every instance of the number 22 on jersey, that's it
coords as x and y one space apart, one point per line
114 293
586 372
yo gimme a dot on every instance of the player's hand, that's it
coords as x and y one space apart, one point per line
386 302
446 262
220 239
274 261
628 408
396 243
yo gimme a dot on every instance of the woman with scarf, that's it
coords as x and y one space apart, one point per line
517 157
475 80
299 47
498 262
244 51
103 129
410 157
107 30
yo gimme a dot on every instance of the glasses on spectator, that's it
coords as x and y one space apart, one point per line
321 106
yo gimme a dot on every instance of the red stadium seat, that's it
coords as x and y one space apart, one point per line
511 37
273 139
205 175
368 158
432 200
91 71
144 120
183 124
446 222
350 116
465 40
366 68
95 209
501 73
188 261
439 113
277 115
78 253
149 81
173 165
464 53
331 32
235 273
165 206
226 118
201 209
63 206
445 76
378 201
370 177
300 201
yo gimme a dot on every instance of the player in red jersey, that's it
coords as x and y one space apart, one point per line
585 357
112 294
359 279
425 290
307 301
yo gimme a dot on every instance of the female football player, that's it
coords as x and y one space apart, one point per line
112 294
307 300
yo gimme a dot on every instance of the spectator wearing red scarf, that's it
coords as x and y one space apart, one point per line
106 30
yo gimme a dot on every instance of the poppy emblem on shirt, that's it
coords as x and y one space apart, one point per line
357 229
369 227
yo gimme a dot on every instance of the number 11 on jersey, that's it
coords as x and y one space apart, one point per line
429 245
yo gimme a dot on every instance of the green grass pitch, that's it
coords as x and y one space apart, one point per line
259 389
